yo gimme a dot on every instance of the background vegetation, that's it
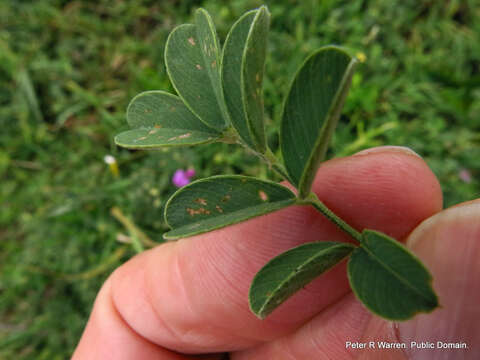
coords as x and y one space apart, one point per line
69 68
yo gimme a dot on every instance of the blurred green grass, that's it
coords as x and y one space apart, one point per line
69 68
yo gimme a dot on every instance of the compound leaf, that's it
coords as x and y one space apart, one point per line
161 119
287 273
192 70
243 65
219 201
389 280
311 112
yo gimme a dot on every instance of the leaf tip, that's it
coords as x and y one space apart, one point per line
264 9
116 141
258 312
167 237
261 316
201 11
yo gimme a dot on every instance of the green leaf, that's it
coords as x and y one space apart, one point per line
156 138
311 112
161 119
210 47
389 279
243 65
287 273
191 58
219 201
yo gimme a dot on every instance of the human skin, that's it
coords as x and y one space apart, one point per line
190 296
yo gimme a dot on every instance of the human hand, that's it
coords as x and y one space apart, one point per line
191 296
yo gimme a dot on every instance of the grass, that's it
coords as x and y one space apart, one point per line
69 68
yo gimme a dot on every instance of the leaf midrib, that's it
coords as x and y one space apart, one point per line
179 129
292 274
323 132
250 127
394 273
218 94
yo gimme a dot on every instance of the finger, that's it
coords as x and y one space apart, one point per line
345 330
449 245
199 286
323 337
107 336
191 296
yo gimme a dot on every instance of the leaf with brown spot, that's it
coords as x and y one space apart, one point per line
243 62
239 199
152 127
189 53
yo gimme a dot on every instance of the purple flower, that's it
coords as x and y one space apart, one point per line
182 177
465 176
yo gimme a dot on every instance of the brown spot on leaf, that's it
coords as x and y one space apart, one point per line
199 211
153 131
198 66
173 138
226 198
214 63
201 201
191 40
219 209
184 136
257 77
147 111
141 138
157 126
263 195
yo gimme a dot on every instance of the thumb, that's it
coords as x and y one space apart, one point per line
449 245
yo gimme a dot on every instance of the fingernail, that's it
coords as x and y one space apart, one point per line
390 148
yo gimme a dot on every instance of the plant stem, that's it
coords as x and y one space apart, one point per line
230 136
313 200
273 162
138 237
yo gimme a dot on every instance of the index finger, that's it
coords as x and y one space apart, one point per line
192 296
